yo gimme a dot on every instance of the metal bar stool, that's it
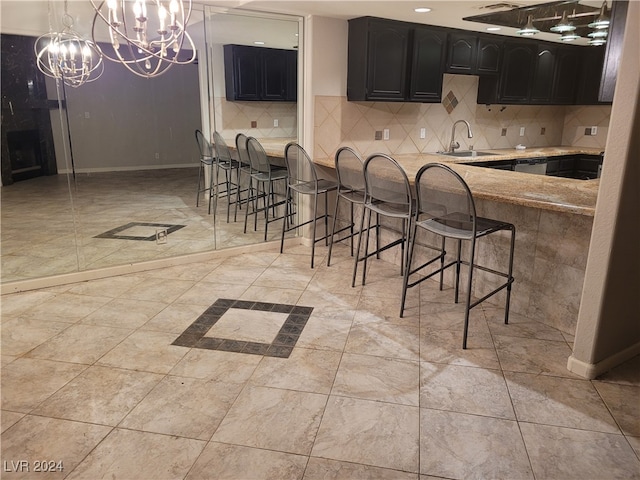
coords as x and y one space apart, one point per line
388 194
206 163
263 176
225 162
351 187
302 179
244 169
446 208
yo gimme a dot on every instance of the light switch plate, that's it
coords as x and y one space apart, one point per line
522 131
594 130
385 134
423 133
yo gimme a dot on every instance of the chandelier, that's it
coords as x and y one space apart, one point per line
146 36
67 56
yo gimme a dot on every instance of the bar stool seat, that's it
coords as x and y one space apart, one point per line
446 208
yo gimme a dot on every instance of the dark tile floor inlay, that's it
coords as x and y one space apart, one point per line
117 232
281 346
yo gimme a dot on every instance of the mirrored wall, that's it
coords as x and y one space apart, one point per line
118 184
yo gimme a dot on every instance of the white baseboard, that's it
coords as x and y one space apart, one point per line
128 168
593 370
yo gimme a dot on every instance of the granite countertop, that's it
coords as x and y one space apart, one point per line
274 147
525 189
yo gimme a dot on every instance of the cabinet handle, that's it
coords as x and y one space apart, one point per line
11 107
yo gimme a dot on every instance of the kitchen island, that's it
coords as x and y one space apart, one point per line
553 218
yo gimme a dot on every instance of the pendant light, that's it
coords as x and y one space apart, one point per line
602 21
564 25
528 30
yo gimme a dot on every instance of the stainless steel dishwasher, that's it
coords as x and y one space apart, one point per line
536 165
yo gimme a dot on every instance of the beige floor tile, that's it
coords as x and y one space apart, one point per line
235 274
120 454
626 374
271 294
519 326
233 462
158 289
635 444
624 403
145 350
464 389
248 325
175 318
176 407
380 309
273 419
27 382
9 418
19 303
384 340
557 452
528 355
99 395
326 332
329 303
368 432
375 378
450 316
562 402
67 307
295 278
305 370
124 313
43 437
107 287
445 346
323 469
457 445
21 335
226 367
206 293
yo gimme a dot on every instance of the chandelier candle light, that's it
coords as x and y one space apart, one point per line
144 43
67 56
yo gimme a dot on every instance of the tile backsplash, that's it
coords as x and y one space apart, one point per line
232 118
338 122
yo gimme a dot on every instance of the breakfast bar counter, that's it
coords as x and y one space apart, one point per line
538 191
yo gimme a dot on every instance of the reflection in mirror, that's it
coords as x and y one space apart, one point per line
111 176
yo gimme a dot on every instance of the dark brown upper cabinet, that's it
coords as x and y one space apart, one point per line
588 85
517 69
614 50
260 74
394 61
472 54
543 70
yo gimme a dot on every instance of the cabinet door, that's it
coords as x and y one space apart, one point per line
462 53
517 70
427 64
488 58
543 75
566 75
590 75
274 74
242 72
387 61
292 75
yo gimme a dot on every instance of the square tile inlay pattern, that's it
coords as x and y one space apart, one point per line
139 231
258 328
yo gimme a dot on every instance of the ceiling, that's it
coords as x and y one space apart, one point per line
31 17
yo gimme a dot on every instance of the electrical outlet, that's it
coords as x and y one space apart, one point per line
522 131
423 133
275 122
542 130
157 156
254 124
86 115
503 133
385 134
378 135
594 130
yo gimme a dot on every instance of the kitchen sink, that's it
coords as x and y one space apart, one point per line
466 153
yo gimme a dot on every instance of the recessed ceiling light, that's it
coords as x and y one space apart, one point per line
422 10
258 43
493 29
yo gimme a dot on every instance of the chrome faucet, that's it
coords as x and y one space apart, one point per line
453 144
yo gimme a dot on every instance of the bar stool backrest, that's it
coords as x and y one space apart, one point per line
349 170
442 193
257 156
386 181
223 153
243 153
300 168
203 145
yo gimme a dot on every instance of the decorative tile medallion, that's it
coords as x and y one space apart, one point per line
120 233
195 336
